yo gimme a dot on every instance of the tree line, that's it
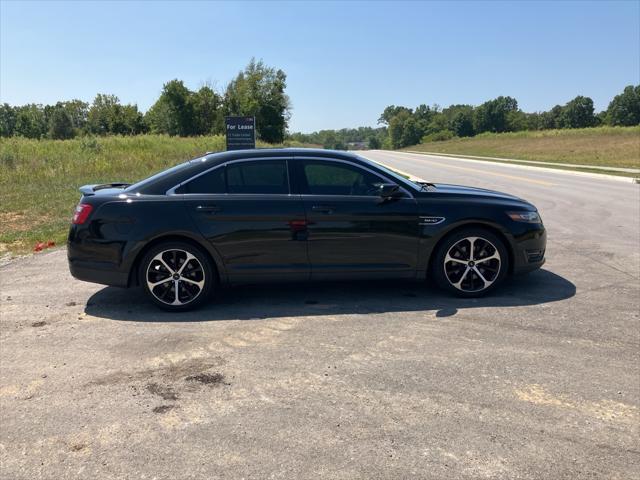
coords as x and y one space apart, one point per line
343 139
406 126
258 90
403 126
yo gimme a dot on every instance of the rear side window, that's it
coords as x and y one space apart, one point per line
266 176
211 182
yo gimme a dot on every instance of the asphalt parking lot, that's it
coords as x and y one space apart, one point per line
348 381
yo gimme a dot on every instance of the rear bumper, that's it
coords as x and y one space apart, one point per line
96 272
95 261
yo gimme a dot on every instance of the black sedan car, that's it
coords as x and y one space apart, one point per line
291 215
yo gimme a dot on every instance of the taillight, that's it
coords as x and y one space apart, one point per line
83 210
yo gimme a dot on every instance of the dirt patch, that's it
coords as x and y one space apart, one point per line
167 372
77 447
70 304
164 392
20 222
207 378
13 222
604 409
163 408
38 324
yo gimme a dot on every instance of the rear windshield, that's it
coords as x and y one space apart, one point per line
149 180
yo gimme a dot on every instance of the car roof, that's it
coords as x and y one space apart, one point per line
278 152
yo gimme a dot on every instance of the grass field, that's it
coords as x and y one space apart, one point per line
39 179
601 146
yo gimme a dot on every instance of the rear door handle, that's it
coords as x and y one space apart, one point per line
322 209
208 208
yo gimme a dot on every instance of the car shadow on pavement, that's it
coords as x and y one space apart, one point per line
256 302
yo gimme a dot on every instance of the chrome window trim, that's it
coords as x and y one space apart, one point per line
172 190
356 165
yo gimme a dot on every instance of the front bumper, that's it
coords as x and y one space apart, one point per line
529 251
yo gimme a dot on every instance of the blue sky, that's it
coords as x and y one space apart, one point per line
345 61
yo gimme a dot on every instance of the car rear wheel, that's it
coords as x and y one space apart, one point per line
177 276
470 263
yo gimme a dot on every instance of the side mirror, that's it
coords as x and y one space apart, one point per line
390 190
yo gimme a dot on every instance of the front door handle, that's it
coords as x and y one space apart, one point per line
322 209
208 208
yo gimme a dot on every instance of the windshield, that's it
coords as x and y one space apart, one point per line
394 174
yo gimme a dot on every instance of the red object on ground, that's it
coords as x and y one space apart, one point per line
42 245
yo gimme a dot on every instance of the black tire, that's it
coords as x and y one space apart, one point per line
196 280
467 276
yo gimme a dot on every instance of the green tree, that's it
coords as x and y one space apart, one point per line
173 112
516 121
551 119
104 114
60 123
207 111
374 143
131 121
411 133
624 109
30 121
7 120
438 123
492 116
462 123
578 113
392 111
259 91
396 128
78 112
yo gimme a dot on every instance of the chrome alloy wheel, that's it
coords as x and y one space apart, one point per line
175 277
472 264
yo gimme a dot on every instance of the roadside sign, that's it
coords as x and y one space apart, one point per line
241 132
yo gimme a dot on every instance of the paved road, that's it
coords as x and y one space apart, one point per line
374 380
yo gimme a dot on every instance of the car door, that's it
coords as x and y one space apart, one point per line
352 231
245 209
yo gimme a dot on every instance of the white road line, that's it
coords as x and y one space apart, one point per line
599 176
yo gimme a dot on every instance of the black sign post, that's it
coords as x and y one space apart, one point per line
241 132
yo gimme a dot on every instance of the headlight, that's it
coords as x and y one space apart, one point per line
526 217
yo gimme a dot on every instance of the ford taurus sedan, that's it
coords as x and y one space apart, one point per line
296 214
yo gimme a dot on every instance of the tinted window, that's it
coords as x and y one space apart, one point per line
212 182
331 178
265 176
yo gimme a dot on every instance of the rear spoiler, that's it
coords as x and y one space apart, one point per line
92 189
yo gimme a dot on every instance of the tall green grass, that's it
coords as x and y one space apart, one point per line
601 146
39 179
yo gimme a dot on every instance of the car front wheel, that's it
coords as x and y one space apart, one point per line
470 263
177 276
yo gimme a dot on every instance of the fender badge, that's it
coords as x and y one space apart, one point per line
431 220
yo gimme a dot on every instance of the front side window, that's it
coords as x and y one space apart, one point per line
333 178
265 176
